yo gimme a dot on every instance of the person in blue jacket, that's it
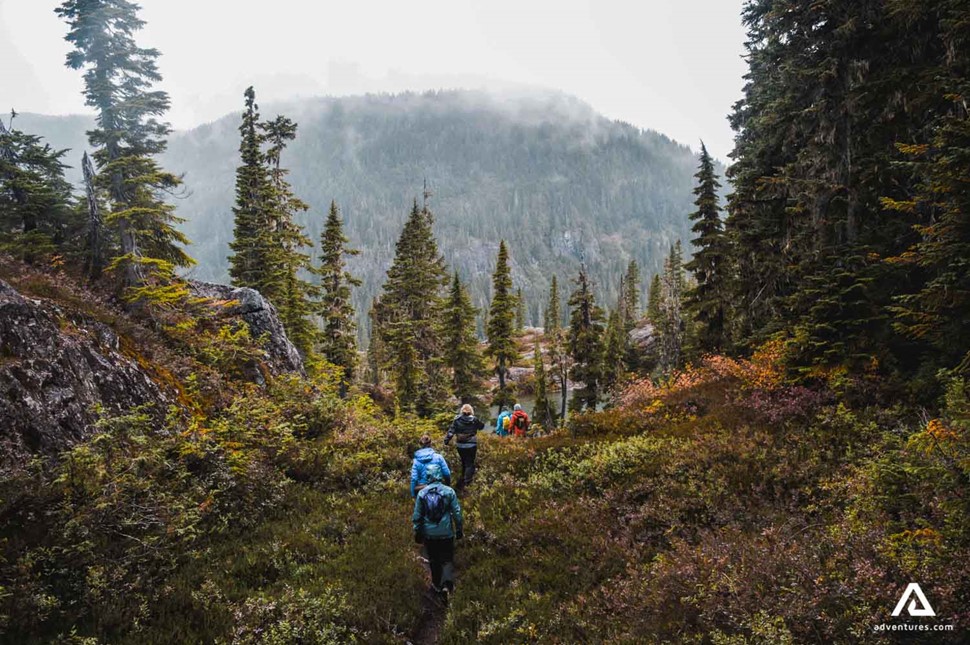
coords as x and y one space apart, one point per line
424 457
437 522
500 428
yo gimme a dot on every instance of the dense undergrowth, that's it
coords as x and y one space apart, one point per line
726 506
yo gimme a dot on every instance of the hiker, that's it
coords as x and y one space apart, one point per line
424 457
465 429
520 421
437 523
504 422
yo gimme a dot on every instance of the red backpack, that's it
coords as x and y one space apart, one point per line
520 423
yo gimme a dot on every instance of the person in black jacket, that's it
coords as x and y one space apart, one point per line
465 429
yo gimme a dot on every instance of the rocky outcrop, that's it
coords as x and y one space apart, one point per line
56 367
250 307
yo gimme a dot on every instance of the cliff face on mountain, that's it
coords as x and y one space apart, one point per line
57 368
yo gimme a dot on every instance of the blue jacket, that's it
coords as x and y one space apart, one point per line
442 529
499 425
419 467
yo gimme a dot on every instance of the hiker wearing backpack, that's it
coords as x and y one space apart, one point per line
437 523
424 457
520 421
465 429
504 422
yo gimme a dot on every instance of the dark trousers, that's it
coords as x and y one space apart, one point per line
467 456
441 555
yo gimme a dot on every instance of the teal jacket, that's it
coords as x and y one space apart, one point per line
442 529
499 425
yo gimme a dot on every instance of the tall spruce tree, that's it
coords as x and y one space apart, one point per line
252 235
543 412
653 300
118 79
705 302
552 321
285 261
519 310
462 354
615 352
671 321
338 338
561 365
502 348
586 344
630 298
409 317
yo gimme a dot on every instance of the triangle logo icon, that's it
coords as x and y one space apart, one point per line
923 609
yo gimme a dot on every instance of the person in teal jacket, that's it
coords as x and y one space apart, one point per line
503 414
437 522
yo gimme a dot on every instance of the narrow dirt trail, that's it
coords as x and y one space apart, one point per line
428 630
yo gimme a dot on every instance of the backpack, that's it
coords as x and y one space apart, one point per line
521 421
506 422
433 505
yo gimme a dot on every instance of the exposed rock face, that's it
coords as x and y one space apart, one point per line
54 369
643 337
249 306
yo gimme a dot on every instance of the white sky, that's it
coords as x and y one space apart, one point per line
671 65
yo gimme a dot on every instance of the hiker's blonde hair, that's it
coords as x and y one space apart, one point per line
467 409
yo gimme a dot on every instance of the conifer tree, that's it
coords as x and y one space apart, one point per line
671 323
253 230
586 344
553 315
338 338
543 412
119 78
519 310
502 348
285 261
376 358
630 298
615 352
409 316
462 354
653 300
705 302
34 196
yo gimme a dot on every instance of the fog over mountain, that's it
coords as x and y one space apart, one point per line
542 170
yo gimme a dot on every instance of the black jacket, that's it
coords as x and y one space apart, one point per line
466 429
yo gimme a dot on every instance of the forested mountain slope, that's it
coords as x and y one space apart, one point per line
542 170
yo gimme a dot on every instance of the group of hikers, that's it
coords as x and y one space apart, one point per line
437 518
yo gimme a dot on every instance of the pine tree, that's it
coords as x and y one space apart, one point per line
376 357
586 344
129 135
96 246
501 324
519 310
543 412
409 316
286 260
462 354
553 318
630 298
615 352
34 196
252 233
671 322
338 338
653 300
705 302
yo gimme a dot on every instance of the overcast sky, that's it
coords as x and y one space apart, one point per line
670 65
